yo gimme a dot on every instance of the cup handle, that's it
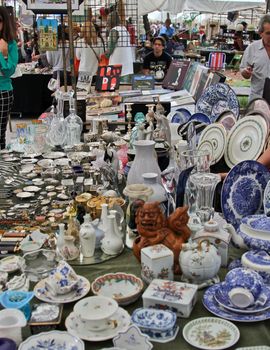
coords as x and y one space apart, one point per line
261 300
113 323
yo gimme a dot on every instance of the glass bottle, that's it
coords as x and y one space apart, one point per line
74 125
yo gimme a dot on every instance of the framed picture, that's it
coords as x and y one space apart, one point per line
143 82
47 34
51 6
108 77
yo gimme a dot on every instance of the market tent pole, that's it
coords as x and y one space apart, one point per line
64 51
71 47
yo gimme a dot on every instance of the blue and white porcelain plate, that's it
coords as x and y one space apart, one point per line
258 223
245 140
200 117
181 116
223 299
260 258
242 191
216 99
44 294
213 306
54 340
266 199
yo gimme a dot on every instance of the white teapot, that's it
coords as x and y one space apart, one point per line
200 262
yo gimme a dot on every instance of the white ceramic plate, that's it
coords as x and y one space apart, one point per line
75 326
61 161
26 169
54 155
52 340
31 189
29 161
211 333
42 293
46 163
24 195
206 145
11 263
245 140
216 134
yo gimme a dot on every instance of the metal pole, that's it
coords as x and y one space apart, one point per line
64 52
71 46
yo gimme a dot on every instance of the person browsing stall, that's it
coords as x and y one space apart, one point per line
158 61
8 63
256 60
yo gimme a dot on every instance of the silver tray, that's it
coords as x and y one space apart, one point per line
98 258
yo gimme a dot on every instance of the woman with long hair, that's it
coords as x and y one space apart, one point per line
8 63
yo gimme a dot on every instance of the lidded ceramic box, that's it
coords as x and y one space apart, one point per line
175 296
156 262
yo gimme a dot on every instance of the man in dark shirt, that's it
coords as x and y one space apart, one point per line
158 61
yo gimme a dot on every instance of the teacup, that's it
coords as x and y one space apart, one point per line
96 312
244 287
62 280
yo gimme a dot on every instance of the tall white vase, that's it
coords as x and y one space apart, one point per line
111 244
87 238
145 161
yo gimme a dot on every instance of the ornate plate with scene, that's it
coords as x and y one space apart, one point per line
216 134
215 308
52 340
227 119
44 294
266 199
78 327
245 140
211 333
242 191
216 99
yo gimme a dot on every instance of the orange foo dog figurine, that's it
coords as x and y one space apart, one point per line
154 228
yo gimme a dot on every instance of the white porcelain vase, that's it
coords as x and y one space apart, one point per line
159 192
145 161
111 244
87 238
69 251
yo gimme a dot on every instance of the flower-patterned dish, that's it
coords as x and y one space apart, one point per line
211 333
251 242
216 134
213 306
242 191
51 341
258 225
44 294
11 263
79 328
132 338
122 287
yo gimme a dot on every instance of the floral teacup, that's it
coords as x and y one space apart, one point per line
62 280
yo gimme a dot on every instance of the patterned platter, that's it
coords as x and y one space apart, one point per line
211 333
242 191
216 134
216 99
246 140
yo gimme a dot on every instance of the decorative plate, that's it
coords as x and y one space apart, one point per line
181 116
223 299
216 134
242 191
77 327
227 119
266 199
132 338
42 292
258 223
256 114
212 305
258 104
31 189
206 145
216 99
200 117
11 263
24 195
245 140
253 242
54 155
122 287
211 333
53 340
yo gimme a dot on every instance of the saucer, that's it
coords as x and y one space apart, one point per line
78 328
54 155
11 263
42 292
212 305
221 296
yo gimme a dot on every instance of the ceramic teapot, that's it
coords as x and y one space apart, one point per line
199 262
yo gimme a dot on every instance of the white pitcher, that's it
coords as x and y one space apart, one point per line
111 244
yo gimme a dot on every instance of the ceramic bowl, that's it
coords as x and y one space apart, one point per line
96 311
244 286
122 287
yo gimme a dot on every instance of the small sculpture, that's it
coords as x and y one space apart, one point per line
154 228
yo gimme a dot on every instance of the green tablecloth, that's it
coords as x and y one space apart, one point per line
251 333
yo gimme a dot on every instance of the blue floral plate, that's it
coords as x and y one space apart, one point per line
223 299
200 117
213 306
181 116
242 191
216 99
253 242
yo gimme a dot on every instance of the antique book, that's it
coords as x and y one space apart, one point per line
176 74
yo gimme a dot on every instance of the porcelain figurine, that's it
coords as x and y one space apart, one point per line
87 237
11 323
154 228
111 244
200 263
69 250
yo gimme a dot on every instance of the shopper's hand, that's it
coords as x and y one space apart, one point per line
3 47
35 57
247 72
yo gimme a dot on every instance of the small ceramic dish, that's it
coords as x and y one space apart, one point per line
46 163
54 155
24 195
29 161
11 263
31 189
122 287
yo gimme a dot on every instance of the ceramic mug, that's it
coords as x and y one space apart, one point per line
244 287
97 312
62 280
